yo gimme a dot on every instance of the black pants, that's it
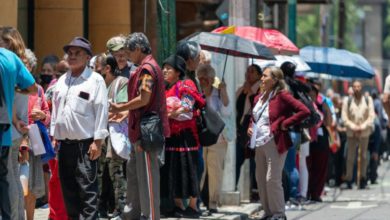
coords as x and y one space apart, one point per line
5 207
78 177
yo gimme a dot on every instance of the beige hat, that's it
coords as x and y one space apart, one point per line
116 43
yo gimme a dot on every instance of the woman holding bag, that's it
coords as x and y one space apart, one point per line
271 118
179 178
214 155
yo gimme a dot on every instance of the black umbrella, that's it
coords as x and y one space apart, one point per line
231 45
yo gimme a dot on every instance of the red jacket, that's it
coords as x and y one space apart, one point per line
281 108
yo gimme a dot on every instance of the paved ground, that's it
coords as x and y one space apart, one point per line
368 204
225 213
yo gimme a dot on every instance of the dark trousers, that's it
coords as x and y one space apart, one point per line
243 153
317 164
106 200
5 207
78 177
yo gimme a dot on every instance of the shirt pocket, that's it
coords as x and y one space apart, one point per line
81 106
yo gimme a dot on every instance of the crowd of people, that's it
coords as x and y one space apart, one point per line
92 112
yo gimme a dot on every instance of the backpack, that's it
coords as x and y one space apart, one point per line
314 117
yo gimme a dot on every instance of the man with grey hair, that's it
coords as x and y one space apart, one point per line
146 94
79 125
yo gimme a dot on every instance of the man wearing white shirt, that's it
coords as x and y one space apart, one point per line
79 125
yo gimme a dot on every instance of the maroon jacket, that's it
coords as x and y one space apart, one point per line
281 108
157 101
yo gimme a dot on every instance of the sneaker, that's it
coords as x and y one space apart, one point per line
294 201
303 200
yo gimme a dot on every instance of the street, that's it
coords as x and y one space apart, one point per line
369 204
372 203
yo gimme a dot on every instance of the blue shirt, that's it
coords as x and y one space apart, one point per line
13 73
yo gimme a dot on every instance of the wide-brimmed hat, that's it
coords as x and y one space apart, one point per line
116 43
79 42
177 63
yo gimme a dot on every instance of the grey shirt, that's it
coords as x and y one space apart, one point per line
21 107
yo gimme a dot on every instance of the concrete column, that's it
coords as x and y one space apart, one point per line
9 13
234 77
106 19
56 23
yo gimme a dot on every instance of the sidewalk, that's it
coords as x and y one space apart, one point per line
242 212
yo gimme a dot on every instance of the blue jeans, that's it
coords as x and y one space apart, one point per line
290 165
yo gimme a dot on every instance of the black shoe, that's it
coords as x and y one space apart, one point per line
316 199
264 217
362 183
212 211
103 215
178 212
349 185
191 213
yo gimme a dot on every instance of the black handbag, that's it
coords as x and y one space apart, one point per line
210 125
152 135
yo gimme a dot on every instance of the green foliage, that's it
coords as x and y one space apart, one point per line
308 30
386 41
351 8
309 25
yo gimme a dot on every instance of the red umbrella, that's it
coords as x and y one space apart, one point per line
277 42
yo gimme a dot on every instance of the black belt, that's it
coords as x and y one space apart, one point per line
67 141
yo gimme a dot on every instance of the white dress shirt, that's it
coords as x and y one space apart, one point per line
80 107
261 125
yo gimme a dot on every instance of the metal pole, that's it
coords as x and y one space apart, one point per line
342 19
292 20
